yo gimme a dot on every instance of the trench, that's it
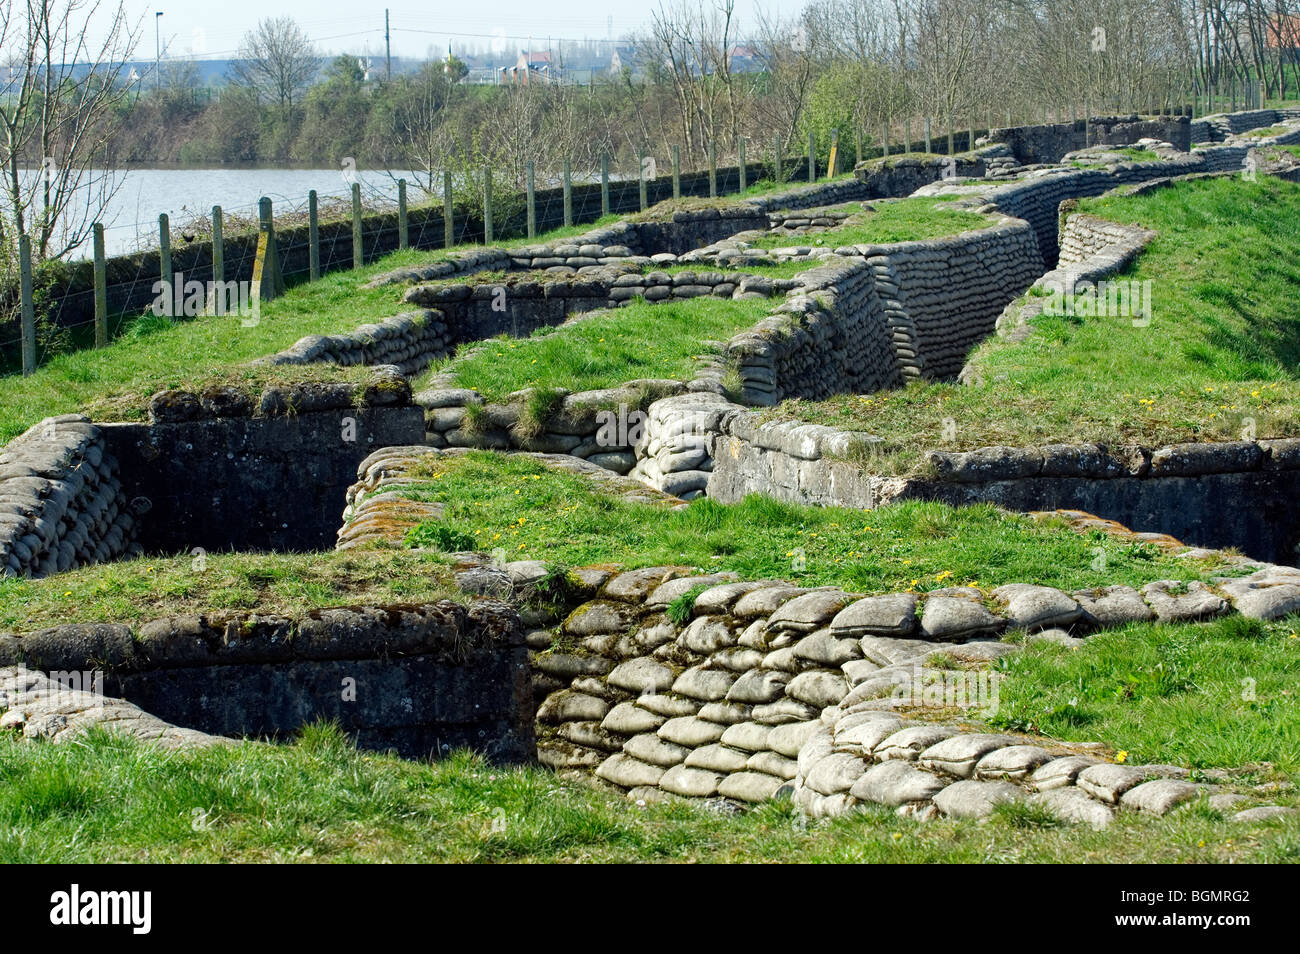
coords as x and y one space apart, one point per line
244 483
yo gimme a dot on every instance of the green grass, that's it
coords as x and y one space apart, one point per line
1128 152
153 354
604 349
775 270
290 584
1220 356
1137 155
107 799
1269 131
534 512
1216 694
901 220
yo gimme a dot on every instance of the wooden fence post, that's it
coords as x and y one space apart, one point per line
884 139
448 213
28 306
927 135
358 246
566 172
530 195
219 245
812 158
313 237
403 225
713 170
487 205
641 179
832 165
268 282
677 172
604 185
101 288
776 159
740 161
165 250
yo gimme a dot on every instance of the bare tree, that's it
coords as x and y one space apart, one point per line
58 116
783 47
276 59
692 43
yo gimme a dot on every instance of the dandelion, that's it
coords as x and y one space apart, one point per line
1121 756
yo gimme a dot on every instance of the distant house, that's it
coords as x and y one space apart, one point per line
626 57
534 66
1284 32
744 59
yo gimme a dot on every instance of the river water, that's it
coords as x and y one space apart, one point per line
131 217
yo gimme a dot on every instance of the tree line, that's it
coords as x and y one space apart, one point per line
696 77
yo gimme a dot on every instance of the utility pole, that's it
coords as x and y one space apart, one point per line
388 50
157 52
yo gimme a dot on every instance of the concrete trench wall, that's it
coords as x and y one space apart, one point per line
869 317
476 312
894 177
218 470
1235 494
667 681
1038 197
229 474
1220 126
833 335
1047 143
416 679
853 323
953 288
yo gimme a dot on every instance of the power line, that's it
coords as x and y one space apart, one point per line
504 36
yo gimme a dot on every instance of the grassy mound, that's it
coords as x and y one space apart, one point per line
135 591
900 220
1219 359
1215 694
535 512
604 349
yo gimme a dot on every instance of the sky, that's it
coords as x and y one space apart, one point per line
214 29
